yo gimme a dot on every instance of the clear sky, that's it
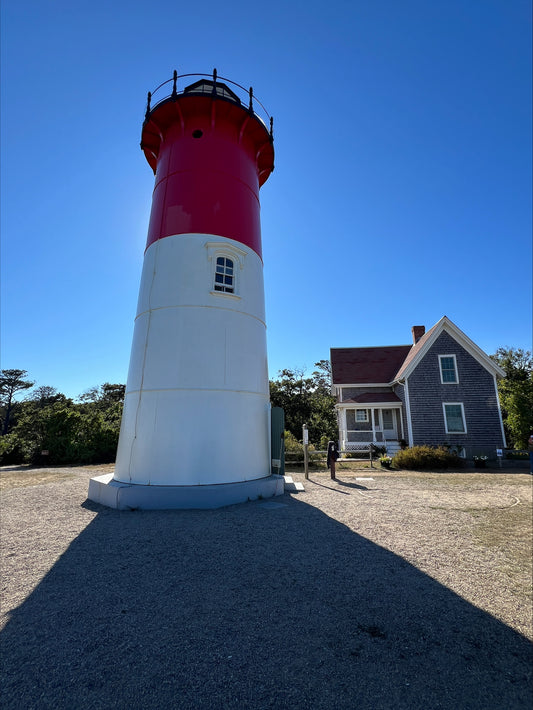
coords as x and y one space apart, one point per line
402 188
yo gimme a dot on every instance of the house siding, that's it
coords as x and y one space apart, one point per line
475 390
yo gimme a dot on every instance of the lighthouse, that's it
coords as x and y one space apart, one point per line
195 429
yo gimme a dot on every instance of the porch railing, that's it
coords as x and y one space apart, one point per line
350 436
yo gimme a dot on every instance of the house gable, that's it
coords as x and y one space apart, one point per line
419 350
474 391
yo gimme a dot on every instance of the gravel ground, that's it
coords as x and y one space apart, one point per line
395 592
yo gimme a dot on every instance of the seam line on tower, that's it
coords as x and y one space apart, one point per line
217 308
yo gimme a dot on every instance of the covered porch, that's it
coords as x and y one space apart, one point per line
371 418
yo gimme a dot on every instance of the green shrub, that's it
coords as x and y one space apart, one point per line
10 451
294 451
419 458
517 455
292 445
324 441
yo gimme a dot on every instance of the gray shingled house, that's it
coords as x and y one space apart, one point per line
441 389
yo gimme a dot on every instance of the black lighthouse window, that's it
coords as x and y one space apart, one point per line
224 276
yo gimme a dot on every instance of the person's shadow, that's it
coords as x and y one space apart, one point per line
252 606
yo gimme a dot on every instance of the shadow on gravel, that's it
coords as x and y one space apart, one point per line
252 606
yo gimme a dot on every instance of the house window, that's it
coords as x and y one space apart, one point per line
454 417
224 275
448 370
361 415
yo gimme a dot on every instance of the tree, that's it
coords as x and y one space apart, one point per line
69 432
53 428
104 395
291 392
515 391
306 400
113 393
101 408
45 395
11 382
90 395
322 376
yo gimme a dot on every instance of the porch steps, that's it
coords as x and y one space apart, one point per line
292 486
393 447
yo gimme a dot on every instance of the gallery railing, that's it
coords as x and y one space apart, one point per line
245 97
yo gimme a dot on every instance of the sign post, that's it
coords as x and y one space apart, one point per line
305 438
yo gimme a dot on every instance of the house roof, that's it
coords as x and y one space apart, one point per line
414 352
388 364
367 365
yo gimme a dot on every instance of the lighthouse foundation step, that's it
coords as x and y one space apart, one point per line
124 496
293 486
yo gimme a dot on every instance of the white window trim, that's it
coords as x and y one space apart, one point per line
460 404
361 421
456 370
410 438
225 294
216 249
500 412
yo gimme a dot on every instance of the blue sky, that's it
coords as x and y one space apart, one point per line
402 188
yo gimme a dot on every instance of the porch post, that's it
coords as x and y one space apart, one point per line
344 435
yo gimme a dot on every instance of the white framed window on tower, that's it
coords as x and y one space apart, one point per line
224 275
448 370
227 262
454 417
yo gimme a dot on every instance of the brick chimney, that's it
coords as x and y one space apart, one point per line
417 331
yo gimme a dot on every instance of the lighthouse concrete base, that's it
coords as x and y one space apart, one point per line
124 496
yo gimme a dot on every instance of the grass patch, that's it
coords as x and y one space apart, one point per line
507 529
31 477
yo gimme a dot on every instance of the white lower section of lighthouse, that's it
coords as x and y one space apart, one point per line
196 423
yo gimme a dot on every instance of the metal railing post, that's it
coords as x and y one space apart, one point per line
147 114
174 94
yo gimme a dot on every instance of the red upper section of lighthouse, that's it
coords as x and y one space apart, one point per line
210 154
